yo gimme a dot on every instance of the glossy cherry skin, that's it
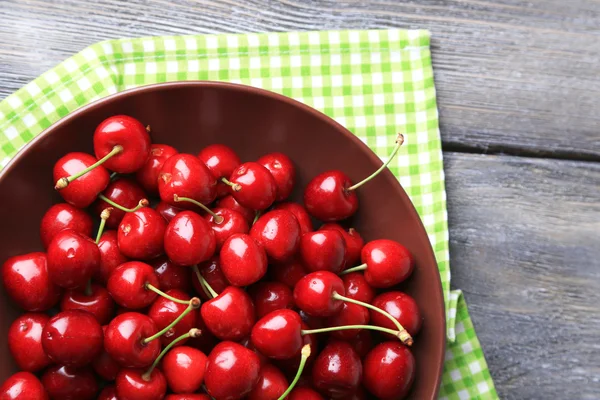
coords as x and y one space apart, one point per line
327 197
72 259
131 385
127 132
299 212
230 315
69 383
221 160
278 232
110 256
127 285
123 340
270 296
104 365
357 288
243 260
189 240
228 360
323 251
362 342
23 386
172 276
271 384
388 263
258 189
167 211
98 303
188 396
278 334
141 234
27 282
72 338
389 370
124 192
64 216
230 202
233 222
25 342
354 242
337 371
184 369
288 273
402 307
147 175
290 365
304 393
211 272
164 311
350 314
314 294
108 393
82 191
283 171
186 176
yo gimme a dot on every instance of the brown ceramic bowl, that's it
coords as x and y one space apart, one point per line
191 115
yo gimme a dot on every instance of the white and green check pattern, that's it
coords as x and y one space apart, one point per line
376 83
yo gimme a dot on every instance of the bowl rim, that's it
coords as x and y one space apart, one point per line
437 294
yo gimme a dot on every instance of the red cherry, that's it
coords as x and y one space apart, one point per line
167 211
221 160
110 256
271 296
243 260
23 386
123 192
128 285
278 334
28 283
323 251
230 202
64 216
189 239
187 397
327 197
314 294
291 365
362 342
353 240
25 342
357 288
304 393
97 302
389 370
134 384
72 259
283 171
225 223
226 361
184 369
350 314
402 307
313 322
124 340
212 274
230 315
141 234
147 175
131 135
69 383
204 340
288 273
253 186
247 343
271 384
109 393
300 213
387 263
164 311
172 276
337 371
186 176
104 365
278 232
82 191
72 338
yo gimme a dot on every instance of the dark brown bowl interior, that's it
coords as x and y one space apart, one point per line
191 115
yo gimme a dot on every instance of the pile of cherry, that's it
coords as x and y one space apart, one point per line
223 290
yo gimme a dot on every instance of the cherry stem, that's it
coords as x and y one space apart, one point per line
305 353
218 218
64 182
361 267
143 203
304 332
235 186
113 176
402 334
204 284
104 215
159 292
194 332
88 288
399 142
194 304
257 216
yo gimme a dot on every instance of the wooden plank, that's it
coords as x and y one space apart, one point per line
525 237
513 76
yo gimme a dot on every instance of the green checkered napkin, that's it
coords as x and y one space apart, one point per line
376 83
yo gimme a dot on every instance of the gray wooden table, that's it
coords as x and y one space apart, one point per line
519 86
